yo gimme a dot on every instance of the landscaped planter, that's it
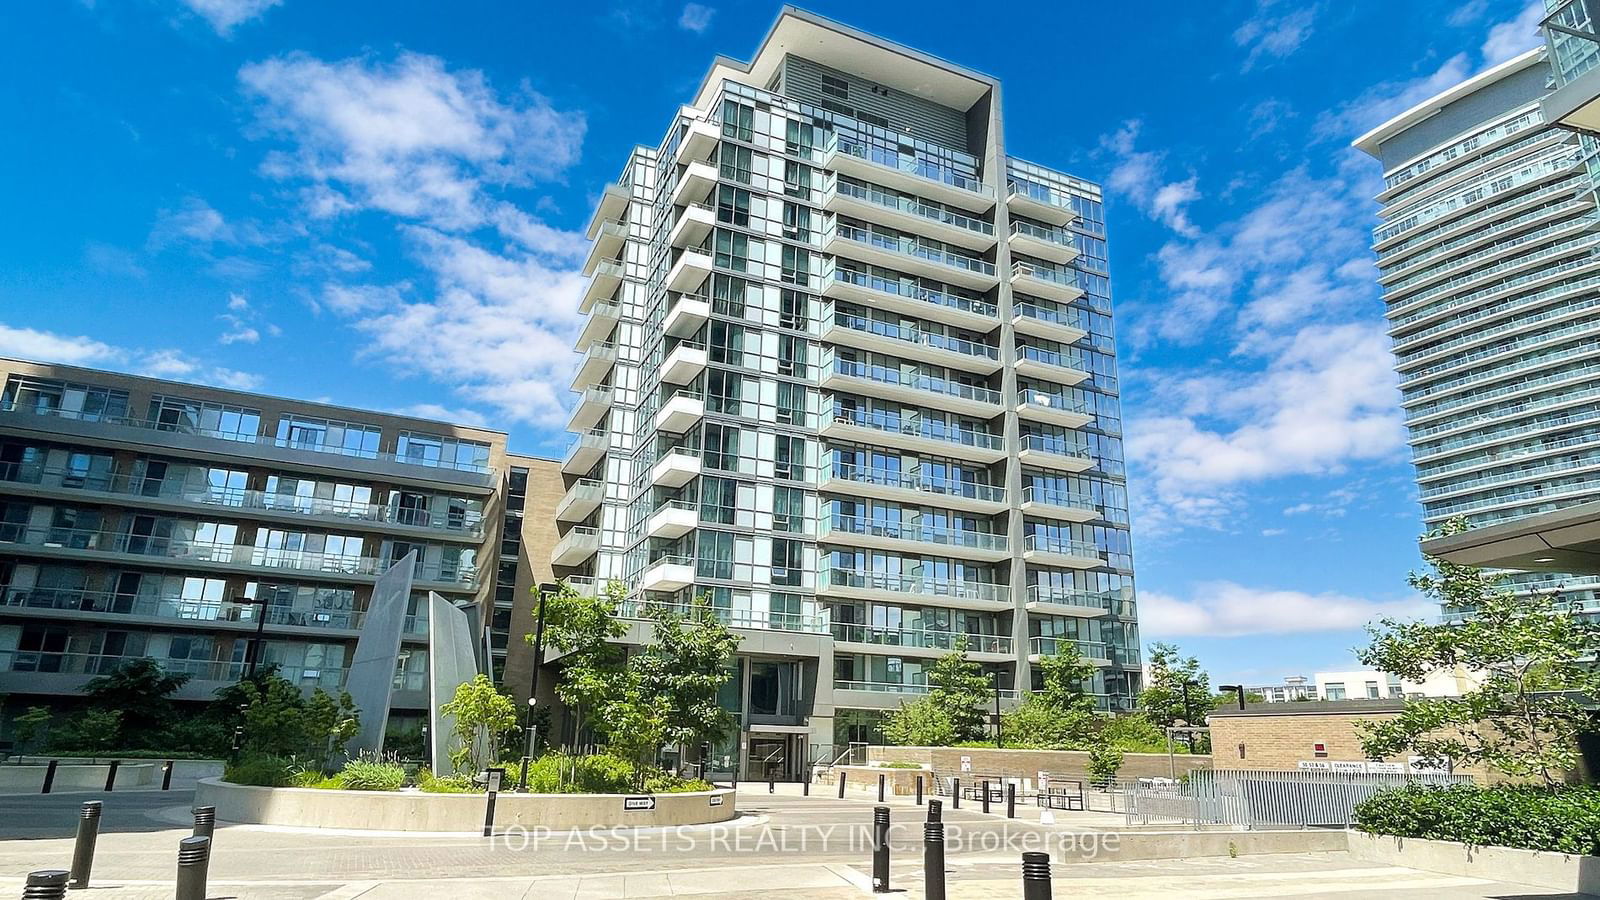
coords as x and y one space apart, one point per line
1573 874
77 776
417 811
185 772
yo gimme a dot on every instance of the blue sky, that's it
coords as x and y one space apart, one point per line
378 204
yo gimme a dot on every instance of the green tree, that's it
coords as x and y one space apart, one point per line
637 720
30 727
686 665
1532 660
584 628
1060 715
919 723
1163 700
280 720
1104 761
140 691
482 716
92 729
958 688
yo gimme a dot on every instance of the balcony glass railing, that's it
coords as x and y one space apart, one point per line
1585 372
913 290
910 246
1060 277
1059 236
892 376
1046 543
913 206
1061 596
593 439
921 428
916 585
325 677
223 552
914 481
1062 402
475 465
1066 318
1510 351
762 619
1050 646
1056 446
467 522
1060 359
1462 262
925 640
1057 497
908 163
1521 323
1496 456
1034 191
913 335
182 609
897 687
904 531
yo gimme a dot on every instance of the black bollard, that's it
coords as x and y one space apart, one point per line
494 777
986 797
49 778
45 884
935 811
194 858
1011 799
83 848
1035 876
805 786
771 783
111 775
880 787
880 850
166 776
919 790
205 821
842 776
933 858
955 793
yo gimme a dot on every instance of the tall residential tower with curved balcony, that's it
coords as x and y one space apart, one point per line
848 370
1486 249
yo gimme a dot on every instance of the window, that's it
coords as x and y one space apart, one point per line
738 121
78 401
1335 691
735 163
1372 691
232 423
445 452
328 436
733 205
835 87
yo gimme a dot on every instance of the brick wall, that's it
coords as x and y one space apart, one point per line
1029 763
1280 738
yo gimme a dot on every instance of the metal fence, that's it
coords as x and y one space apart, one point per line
1262 799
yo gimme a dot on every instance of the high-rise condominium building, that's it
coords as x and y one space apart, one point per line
148 518
848 370
1492 287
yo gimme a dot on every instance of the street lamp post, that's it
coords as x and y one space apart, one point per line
999 739
545 590
252 658
1188 716
1237 688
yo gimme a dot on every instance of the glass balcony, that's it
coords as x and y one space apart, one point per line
865 201
695 181
684 363
593 405
907 253
1048 600
913 538
602 320
143 490
910 297
1036 201
906 172
756 619
895 384
1064 326
578 544
686 314
680 410
586 451
690 271
1066 506
694 222
887 687
206 613
676 467
602 285
913 487
595 365
948 592
1064 367
608 243
910 431
613 205
1095 652
1059 551
668 573
1060 285
940 641
581 500
672 519
77 540
1054 244
1057 453
866 333
700 137
1059 409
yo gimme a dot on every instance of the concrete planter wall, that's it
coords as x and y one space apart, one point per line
1573 874
901 782
416 811
29 778
185 772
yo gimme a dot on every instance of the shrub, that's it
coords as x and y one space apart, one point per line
897 764
311 778
430 783
262 771
1104 761
1565 820
373 772
660 782
558 773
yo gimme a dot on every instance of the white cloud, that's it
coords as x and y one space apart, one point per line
1227 609
244 323
1138 176
109 260
696 17
1273 33
1507 39
410 138
1384 101
80 350
225 15
456 414
1467 13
